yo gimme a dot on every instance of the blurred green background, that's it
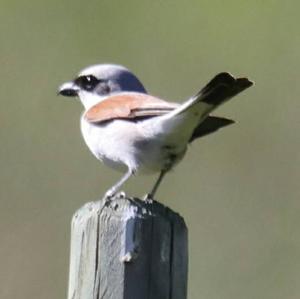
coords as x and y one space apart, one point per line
238 189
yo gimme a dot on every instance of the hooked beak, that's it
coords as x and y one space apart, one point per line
68 89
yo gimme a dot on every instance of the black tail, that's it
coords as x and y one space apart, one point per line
209 125
221 88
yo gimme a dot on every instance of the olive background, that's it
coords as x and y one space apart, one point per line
238 189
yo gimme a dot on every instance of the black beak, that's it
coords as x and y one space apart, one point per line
68 89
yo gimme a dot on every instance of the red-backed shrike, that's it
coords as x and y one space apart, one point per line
134 132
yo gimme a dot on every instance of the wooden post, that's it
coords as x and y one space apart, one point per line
128 248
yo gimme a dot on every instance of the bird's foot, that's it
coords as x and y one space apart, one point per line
108 196
121 195
111 194
148 198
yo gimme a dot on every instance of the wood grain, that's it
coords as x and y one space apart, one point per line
129 249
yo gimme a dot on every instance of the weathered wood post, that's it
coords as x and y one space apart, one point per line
128 248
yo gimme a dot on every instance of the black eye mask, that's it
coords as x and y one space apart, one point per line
87 83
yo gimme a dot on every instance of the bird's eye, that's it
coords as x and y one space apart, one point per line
88 82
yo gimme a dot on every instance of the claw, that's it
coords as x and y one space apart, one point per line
148 198
109 195
121 195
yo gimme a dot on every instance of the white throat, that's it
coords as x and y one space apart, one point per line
89 99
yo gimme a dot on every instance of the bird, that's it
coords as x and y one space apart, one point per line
137 133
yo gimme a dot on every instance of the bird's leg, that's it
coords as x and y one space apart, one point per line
150 196
114 189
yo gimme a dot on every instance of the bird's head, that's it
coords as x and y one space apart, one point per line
97 82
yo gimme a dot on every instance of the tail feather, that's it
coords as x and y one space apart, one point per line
210 125
219 90
192 118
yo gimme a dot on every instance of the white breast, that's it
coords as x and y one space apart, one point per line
119 143
111 143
